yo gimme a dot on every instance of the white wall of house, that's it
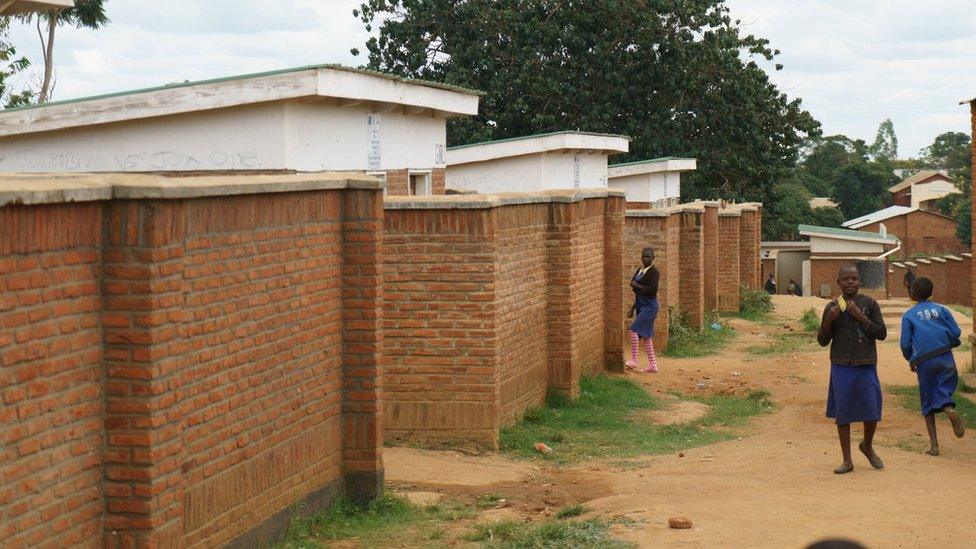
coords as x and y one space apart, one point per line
313 136
931 190
822 245
649 187
531 172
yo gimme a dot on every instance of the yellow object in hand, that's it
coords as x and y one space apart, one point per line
842 304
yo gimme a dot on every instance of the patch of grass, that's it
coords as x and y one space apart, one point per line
908 398
963 310
581 534
810 320
782 344
568 511
602 423
382 522
965 387
685 341
754 305
489 500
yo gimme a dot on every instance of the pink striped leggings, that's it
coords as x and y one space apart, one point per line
648 346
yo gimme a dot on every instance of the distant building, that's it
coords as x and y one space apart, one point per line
307 119
784 260
831 249
654 183
822 202
561 160
922 190
920 231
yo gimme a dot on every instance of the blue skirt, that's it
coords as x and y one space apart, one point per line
643 324
937 380
854 394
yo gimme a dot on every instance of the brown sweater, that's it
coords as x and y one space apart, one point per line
852 343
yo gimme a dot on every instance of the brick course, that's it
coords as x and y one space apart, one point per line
222 362
922 232
710 255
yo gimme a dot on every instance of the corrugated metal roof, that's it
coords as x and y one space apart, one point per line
880 215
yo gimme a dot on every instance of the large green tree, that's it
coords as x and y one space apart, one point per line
681 78
85 14
862 187
10 66
951 152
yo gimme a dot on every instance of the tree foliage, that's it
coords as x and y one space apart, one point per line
885 146
681 78
862 188
10 66
85 14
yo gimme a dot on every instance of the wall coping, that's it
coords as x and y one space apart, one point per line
729 213
911 264
937 259
487 201
967 255
923 261
953 257
52 189
898 264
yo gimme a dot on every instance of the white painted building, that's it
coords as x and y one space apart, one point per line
655 183
562 160
923 190
307 119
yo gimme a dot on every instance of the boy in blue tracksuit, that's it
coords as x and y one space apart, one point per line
929 332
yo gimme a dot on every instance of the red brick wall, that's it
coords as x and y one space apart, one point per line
521 308
922 233
641 232
239 343
902 198
439 324
728 263
935 271
397 182
691 265
824 271
957 273
945 273
472 337
749 266
51 425
710 256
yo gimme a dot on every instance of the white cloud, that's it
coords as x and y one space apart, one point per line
854 63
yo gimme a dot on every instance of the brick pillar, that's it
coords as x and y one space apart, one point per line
563 370
613 248
749 267
757 246
397 182
643 229
437 180
728 261
691 266
142 310
362 342
972 273
710 255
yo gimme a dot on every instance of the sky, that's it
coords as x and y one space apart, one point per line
853 62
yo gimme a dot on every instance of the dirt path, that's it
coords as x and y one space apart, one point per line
774 487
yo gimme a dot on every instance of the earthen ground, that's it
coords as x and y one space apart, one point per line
773 486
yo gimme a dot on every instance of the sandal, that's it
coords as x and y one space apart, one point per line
631 365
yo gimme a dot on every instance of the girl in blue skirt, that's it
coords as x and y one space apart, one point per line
851 325
929 332
644 283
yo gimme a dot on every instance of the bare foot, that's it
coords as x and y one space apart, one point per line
933 451
845 467
958 427
873 458
631 364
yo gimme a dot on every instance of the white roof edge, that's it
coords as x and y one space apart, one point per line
871 237
313 82
880 215
563 141
666 165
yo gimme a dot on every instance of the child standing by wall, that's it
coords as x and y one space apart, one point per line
644 283
929 332
851 325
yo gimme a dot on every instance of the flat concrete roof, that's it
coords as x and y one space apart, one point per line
484 201
654 165
343 85
30 6
20 189
537 144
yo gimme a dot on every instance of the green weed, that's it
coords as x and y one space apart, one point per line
582 534
810 320
685 341
606 422
754 305
568 511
